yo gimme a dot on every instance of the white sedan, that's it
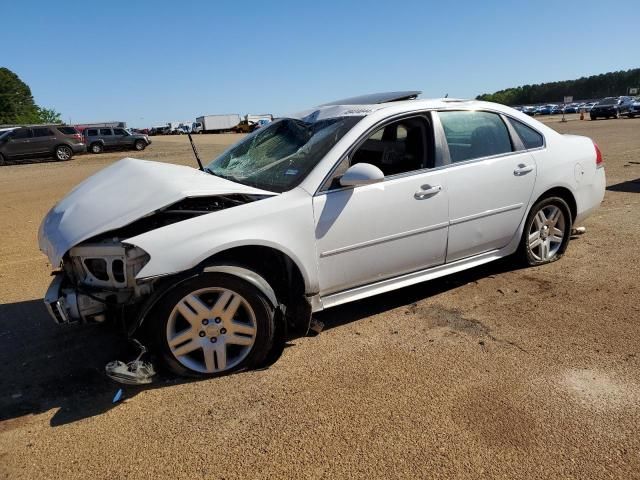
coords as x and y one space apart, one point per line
214 268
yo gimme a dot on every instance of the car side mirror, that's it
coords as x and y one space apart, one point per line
361 174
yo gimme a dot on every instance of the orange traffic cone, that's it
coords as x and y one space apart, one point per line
581 114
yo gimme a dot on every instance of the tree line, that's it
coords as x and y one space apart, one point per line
17 105
610 84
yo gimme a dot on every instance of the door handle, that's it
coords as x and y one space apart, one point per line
523 169
427 191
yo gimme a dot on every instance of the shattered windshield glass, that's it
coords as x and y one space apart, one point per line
277 157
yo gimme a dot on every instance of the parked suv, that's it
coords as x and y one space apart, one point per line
611 107
107 138
58 141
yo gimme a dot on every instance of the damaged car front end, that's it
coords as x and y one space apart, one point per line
96 279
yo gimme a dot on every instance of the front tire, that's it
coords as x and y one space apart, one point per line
139 145
212 325
546 232
63 153
2 161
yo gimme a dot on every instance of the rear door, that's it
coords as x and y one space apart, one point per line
43 140
106 134
490 179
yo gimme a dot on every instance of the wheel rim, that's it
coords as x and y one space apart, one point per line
64 153
546 233
139 146
211 330
96 149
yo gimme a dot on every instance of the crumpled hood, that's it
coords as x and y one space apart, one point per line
122 193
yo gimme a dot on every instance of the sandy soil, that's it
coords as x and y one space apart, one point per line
495 372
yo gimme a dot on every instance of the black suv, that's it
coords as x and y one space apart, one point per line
58 141
99 139
611 107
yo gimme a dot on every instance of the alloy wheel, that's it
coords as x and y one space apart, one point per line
63 153
547 233
211 330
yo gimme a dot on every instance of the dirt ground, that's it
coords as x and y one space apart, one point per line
494 372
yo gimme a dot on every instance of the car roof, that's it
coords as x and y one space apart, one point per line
326 111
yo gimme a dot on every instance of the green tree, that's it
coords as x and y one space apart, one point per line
585 88
49 115
17 105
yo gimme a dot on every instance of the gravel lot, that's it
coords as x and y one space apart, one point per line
495 372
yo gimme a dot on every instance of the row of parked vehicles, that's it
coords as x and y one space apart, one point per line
610 107
231 122
62 142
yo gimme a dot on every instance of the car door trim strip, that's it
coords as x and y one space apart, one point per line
487 213
388 238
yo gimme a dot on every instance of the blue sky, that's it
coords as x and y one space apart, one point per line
153 62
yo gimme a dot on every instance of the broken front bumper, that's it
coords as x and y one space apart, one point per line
55 301
66 304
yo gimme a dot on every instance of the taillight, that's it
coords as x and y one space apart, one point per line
77 136
599 161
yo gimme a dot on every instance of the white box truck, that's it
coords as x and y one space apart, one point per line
216 123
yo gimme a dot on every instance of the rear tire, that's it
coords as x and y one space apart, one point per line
2 161
546 232
63 153
140 145
96 148
212 325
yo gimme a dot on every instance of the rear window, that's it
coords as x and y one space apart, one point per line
530 138
608 101
41 132
67 130
105 131
474 134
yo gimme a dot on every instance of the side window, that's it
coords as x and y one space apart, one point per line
92 132
530 138
21 133
472 134
398 147
41 132
105 131
120 131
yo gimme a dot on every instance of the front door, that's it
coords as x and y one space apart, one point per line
373 232
19 145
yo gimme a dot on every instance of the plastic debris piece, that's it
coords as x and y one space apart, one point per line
136 372
118 396
132 373
579 231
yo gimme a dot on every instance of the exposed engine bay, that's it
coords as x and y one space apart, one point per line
98 277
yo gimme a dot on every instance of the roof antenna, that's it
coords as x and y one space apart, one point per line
446 95
195 151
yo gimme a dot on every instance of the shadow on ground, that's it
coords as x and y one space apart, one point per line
630 186
44 366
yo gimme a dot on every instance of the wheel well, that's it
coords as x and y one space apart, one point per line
282 274
58 145
566 195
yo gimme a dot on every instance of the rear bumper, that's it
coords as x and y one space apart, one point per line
591 196
78 147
